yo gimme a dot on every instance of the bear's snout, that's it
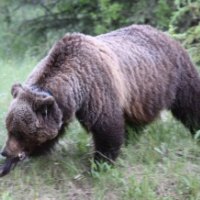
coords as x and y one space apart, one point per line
12 148
4 153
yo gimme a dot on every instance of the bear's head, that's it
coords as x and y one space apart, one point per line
33 119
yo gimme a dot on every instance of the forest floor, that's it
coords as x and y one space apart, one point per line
161 163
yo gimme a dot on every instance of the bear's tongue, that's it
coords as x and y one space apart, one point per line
8 165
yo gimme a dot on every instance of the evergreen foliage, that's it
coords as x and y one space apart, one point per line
36 24
185 26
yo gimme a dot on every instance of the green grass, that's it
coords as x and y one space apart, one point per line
162 164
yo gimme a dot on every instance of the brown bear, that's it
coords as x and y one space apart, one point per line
128 75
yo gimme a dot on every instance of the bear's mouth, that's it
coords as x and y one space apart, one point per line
10 163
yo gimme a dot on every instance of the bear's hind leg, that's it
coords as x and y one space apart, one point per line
181 114
186 106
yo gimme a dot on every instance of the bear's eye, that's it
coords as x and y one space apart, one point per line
18 136
44 111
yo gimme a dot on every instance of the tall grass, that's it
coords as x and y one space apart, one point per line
160 164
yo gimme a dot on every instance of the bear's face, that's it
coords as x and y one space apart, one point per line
33 119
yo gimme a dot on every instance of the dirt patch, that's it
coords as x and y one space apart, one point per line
75 192
167 188
191 168
137 171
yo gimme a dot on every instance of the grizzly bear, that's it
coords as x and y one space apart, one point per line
128 75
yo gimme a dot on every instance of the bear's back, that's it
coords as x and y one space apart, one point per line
148 59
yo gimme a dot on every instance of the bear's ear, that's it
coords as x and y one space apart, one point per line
16 89
43 107
45 101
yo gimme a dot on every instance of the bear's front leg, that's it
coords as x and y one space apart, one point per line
108 136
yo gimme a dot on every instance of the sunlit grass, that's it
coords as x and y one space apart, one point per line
161 164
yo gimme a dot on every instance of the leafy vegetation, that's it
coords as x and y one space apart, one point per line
160 164
185 26
39 23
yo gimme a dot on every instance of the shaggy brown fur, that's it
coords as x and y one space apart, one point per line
129 74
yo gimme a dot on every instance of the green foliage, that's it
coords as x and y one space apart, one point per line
189 187
185 26
37 25
139 190
6 196
163 13
110 14
26 23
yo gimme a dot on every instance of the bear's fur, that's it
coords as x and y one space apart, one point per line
128 75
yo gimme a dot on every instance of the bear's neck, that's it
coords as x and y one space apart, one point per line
62 83
67 96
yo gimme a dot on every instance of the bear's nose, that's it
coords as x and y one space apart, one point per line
4 153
